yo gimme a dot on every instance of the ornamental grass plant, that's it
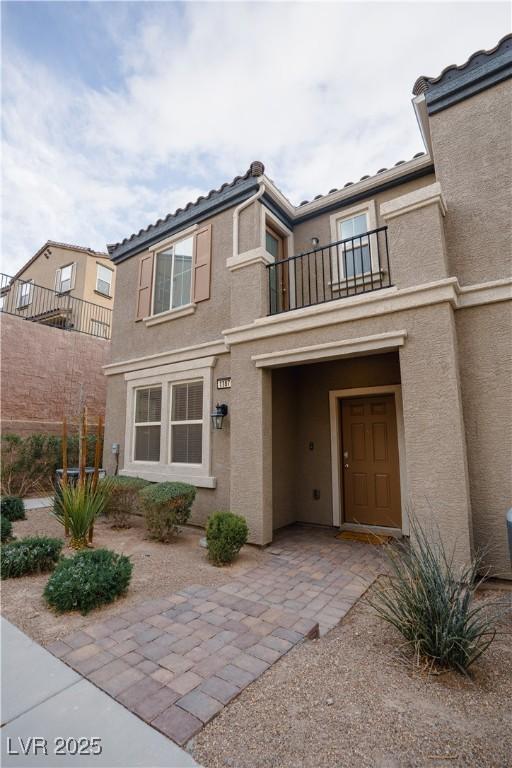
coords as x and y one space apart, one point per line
431 602
77 506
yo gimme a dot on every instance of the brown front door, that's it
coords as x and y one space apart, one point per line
370 470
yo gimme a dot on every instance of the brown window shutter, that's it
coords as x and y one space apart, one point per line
202 264
143 308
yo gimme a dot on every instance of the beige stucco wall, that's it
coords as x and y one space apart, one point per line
319 226
133 339
42 272
485 358
472 146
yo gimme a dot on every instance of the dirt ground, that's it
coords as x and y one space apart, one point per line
159 570
349 700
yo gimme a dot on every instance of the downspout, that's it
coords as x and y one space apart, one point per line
236 214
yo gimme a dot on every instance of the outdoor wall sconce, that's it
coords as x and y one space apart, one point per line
220 411
315 241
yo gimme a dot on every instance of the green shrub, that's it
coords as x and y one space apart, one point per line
31 555
431 603
6 528
91 578
12 508
124 499
166 506
77 506
29 463
226 534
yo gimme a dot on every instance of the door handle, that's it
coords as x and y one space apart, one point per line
346 466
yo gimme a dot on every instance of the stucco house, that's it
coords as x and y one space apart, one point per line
68 286
359 342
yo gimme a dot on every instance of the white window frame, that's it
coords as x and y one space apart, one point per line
367 207
24 298
102 266
172 423
58 287
166 375
164 249
145 424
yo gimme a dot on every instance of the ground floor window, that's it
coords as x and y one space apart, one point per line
168 431
147 424
187 422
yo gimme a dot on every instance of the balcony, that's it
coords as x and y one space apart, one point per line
330 272
42 305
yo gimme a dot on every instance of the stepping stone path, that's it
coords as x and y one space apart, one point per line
177 661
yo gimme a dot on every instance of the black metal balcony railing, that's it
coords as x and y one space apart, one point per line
58 310
334 271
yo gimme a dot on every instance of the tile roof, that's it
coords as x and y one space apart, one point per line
363 178
55 244
255 169
423 83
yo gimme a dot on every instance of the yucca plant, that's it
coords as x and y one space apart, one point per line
431 602
77 506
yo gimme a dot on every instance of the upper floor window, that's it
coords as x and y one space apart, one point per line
65 278
355 252
24 294
104 280
147 424
173 276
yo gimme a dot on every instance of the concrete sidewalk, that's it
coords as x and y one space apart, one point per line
42 697
42 502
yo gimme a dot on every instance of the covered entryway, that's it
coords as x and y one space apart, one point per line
338 456
369 458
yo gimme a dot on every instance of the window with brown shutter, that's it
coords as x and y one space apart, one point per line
143 308
202 264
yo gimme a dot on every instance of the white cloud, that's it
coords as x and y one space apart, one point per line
319 92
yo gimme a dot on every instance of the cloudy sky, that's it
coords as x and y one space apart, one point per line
116 113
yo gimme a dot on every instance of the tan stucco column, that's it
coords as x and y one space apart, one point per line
416 236
435 440
251 444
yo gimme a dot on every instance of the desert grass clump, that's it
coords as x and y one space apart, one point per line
431 602
77 506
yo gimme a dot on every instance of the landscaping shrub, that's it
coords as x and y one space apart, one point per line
12 508
77 506
431 603
166 506
87 580
29 463
226 534
31 555
6 528
124 499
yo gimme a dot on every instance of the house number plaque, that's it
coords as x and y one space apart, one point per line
224 383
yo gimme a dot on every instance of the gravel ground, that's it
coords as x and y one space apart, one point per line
349 699
159 570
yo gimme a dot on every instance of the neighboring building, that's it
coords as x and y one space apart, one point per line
52 366
361 341
63 285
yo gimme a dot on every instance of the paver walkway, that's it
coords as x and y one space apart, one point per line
45 700
177 661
